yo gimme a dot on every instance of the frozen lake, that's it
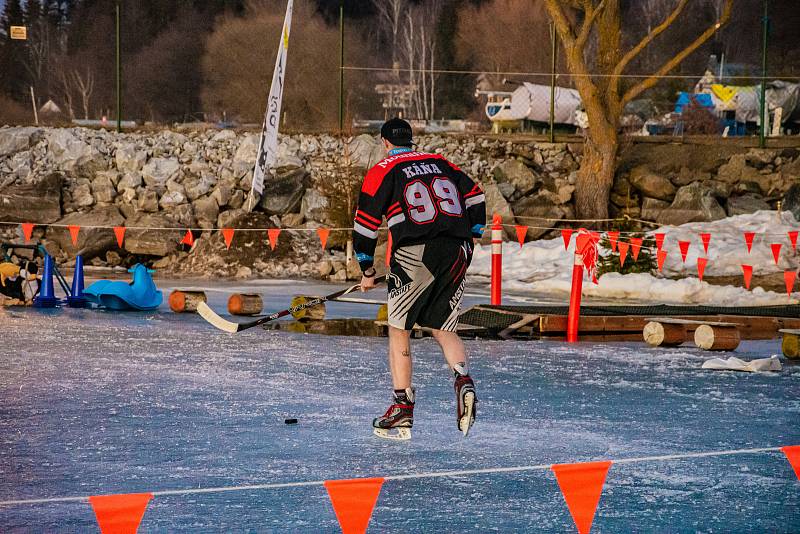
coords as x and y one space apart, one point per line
93 402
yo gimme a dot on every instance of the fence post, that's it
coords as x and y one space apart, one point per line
764 113
552 83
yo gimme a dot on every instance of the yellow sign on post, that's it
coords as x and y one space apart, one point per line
19 32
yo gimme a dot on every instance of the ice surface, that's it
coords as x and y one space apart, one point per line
99 402
544 267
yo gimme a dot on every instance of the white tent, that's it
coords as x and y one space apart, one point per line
532 102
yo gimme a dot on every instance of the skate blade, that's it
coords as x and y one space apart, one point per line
396 434
469 407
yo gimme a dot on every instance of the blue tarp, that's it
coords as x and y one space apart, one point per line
684 99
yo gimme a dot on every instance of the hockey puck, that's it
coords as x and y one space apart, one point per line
290 421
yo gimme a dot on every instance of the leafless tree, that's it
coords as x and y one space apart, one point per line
85 87
390 19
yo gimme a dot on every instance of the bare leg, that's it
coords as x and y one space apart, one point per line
400 358
452 346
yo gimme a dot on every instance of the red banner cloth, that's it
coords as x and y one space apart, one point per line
623 252
659 241
581 484
747 271
566 235
119 232
323 234
273 234
776 251
701 267
120 514
613 237
636 246
789 277
748 240
227 234
353 501
188 238
792 453
793 239
684 246
73 232
706 239
27 231
661 256
522 231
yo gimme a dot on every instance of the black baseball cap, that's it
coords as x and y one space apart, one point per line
398 132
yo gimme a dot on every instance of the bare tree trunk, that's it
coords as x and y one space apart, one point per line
596 175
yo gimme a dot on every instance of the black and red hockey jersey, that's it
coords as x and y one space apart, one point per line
422 196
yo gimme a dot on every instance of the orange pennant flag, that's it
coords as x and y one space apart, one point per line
792 453
273 234
522 231
793 239
706 239
789 277
661 256
701 267
188 238
353 501
748 240
582 485
388 249
27 231
747 271
73 232
612 238
120 514
659 241
566 235
623 252
636 246
323 234
684 246
776 251
119 231
227 234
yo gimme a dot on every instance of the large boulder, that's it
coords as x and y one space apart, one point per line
284 193
651 184
158 170
288 154
496 203
693 203
791 201
746 204
91 241
244 159
539 211
315 206
129 159
736 170
652 208
206 210
103 189
70 153
38 202
365 151
516 173
151 242
14 140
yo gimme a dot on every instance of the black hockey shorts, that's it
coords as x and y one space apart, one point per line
426 284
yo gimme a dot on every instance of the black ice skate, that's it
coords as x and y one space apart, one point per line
465 402
396 423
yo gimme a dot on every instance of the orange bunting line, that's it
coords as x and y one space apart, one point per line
273 234
353 501
27 231
793 239
73 232
776 251
566 235
701 267
119 231
120 514
684 246
659 241
522 231
623 252
747 271
636 246
661 256
613 237
789 278
323 234
748 240
227 234
706 239
792 453
581 484
188 238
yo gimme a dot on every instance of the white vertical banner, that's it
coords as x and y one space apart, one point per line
268 144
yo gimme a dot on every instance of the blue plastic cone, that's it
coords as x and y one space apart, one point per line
77 299
47 295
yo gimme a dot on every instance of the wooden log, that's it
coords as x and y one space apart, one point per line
709 337
181 301
314 313
658 334
245 304
791 343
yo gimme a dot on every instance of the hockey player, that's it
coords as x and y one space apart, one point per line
433 211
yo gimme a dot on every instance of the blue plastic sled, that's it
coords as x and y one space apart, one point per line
140 294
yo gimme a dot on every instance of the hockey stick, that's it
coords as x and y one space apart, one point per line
230 326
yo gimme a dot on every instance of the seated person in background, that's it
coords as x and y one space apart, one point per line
13 278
